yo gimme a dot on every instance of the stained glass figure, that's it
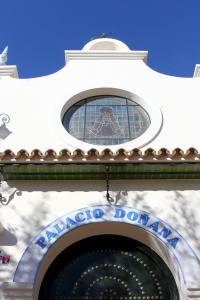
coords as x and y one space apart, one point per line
107 124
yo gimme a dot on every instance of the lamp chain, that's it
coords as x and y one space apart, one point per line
108 197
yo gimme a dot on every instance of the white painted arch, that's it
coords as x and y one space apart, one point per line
181 260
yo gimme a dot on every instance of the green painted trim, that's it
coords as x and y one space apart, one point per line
98 171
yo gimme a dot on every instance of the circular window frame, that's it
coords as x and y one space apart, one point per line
152 110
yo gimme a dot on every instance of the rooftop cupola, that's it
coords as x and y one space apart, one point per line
105 48
105 44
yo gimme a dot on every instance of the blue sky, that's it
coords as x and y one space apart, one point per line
38 31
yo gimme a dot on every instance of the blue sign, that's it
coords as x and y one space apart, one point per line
98 214
39 246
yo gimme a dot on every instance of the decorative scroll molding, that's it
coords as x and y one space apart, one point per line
6 200
4 131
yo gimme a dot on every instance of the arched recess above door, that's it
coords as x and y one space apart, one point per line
108 267
97 220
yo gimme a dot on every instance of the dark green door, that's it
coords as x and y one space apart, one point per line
108 267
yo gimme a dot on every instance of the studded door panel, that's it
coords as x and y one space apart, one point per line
108 267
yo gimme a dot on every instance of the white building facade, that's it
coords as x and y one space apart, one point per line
100 180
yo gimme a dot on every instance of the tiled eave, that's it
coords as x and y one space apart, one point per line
93 165
106 155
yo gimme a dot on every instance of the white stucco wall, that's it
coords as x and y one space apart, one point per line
35 107
42 202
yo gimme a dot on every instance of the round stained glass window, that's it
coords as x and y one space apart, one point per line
106 120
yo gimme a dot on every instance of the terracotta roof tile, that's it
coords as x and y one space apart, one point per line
50 154
177 154
121 154
7 155
106 154
163 153
93 155
78 154
64 154
22 155
192 153
36 154
150 154
135 154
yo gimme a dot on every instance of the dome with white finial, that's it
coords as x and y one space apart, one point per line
106 44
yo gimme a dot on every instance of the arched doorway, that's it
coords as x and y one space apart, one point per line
108 267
